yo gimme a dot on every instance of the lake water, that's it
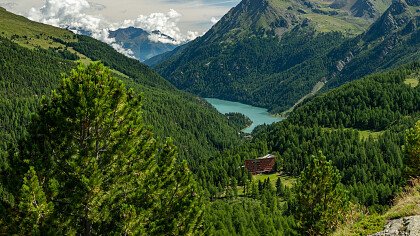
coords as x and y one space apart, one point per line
258 115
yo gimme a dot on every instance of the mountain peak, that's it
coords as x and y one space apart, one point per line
256 17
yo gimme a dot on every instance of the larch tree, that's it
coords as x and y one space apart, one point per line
102 168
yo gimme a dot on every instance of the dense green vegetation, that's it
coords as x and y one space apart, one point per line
246 217
25 75
372 169
91 167
168 110
372 103
35 72
412 148
321 201
238 120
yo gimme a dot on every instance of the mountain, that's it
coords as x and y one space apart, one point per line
33 56
392 40
140 42
275 53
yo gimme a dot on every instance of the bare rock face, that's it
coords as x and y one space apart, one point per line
407 226
364 8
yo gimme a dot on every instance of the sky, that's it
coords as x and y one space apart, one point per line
185 19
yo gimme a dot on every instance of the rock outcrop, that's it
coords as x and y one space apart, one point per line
407 226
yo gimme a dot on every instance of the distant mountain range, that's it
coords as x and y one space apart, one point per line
276 53
139 41
142 43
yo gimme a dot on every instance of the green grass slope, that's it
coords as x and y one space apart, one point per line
404 205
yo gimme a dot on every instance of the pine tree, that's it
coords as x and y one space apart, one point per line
320 198
234 186
412 148
33 206
279 187
110 174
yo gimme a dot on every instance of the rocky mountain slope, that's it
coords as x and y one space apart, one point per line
407 226
393 39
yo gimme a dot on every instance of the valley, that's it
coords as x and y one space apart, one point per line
93 142
306 44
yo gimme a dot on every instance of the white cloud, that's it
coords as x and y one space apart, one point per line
214 20
8 5
73 14
165 23
191 35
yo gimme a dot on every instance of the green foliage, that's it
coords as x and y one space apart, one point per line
371 169
412 148
246 217
321 200
238 120
94 166
279 187
98 51
89 138
27 74
369 225
373 103
33 206
167 109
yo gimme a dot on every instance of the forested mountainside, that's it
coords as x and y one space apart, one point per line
375 102
274 53
35 55
139 42
369 157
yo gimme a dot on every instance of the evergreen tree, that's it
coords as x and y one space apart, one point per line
412 148
320 197
109 174
234 186
33 205
279 187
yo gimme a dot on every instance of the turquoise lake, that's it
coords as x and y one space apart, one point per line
258 115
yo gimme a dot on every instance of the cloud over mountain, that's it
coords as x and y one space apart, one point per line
166 23
72 14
